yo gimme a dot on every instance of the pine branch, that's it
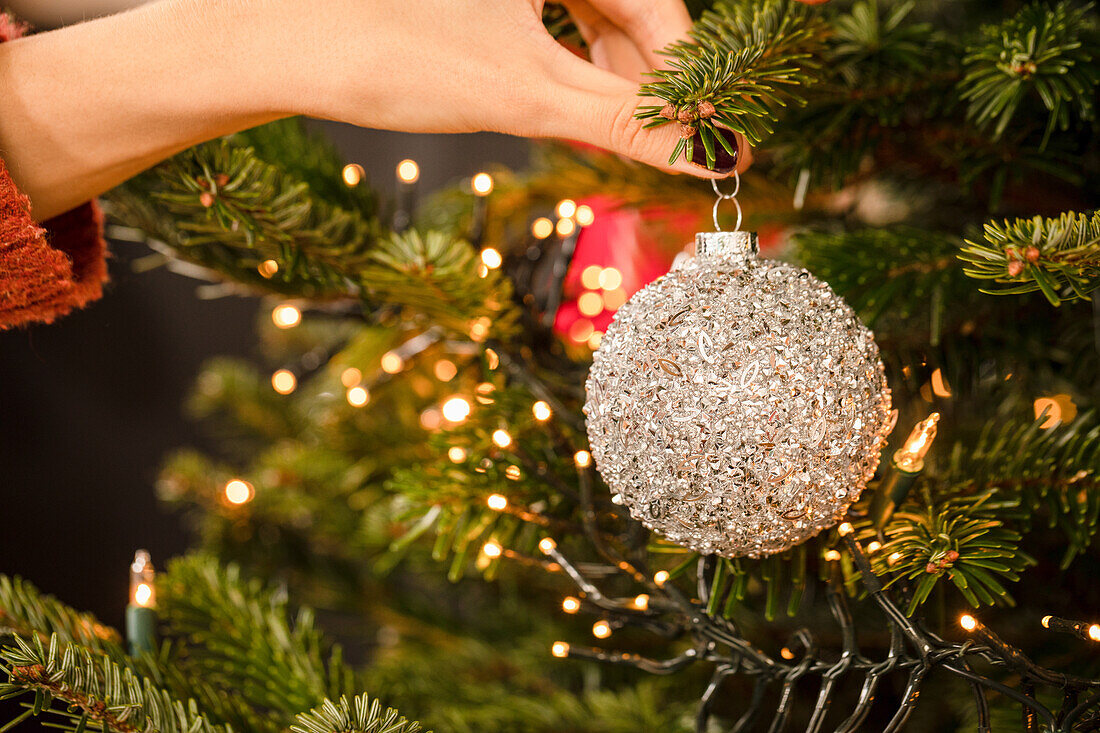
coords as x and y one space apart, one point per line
1042 52
367 717
26 611
86 688
235 635
1060 257
1053 470
961 540
743 64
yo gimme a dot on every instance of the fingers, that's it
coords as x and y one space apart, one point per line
608 46
650 24
597 107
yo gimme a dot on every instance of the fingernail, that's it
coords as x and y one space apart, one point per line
724 162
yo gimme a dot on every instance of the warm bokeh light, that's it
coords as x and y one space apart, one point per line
239 492
479 329
143 594
1046 621
431 418
560 649
286 316
501 438
541 411
547 545
968 622
492 548
940 387
358 396
894 557
1094 632
613 299
268 268
566 208
351 377
582 458
392 362
660 578
580 330
832 555
456 409
408 171
845 528
595 340
565 227
491 258
482 185
874 546
641 602
590 304
542 228
284 381
585 216
610 278
601 629
456 454
569 604
353 175
445 370
786 653
493 359
513 473
1060 409
590 277
497 502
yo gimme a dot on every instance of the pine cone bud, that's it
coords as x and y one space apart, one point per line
686 116
1015 268
221 179
206 199
951 556
668 112
705 110
931 568
687 131
1031 254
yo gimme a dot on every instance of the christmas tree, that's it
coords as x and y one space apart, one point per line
413 461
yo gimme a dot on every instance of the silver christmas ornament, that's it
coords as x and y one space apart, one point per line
736 405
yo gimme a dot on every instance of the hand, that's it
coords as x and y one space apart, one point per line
445 66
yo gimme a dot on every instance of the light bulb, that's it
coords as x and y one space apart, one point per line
408 171
445 370
874 546
351 377
542 228
491 258
143 594
590 303
832 555
566 208
585 216
456 454
501 438
910 458
845 528
968 622
565 227
601 629
284 381
238 492
610 278
513 473
497 502
660 577
482 184
569 604
456 409
547 545
358 396
582 458
1094 632
641 602
142 575
541 411
560 649
392 362
268 269
286 316
590 277
352 175
492 549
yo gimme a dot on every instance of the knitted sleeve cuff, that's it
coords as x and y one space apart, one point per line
45 270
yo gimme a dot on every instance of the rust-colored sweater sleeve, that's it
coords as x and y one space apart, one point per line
46 269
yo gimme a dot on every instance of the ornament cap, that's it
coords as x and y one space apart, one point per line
727 246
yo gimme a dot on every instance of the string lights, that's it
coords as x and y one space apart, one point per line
268 269
141 618
286 316
1081 629
358 396
456 409
238 491
582 458
284 382
497 502
906 466
541 410
570 605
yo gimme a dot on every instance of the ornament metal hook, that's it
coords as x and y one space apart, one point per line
731 196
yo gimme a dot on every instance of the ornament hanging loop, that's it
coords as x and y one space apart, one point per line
731 196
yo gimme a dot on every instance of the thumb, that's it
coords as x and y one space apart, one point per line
597 107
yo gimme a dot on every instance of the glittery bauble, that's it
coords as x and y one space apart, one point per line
736 405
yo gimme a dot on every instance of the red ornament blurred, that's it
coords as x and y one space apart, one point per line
620 252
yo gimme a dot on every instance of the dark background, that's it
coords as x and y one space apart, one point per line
91 404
